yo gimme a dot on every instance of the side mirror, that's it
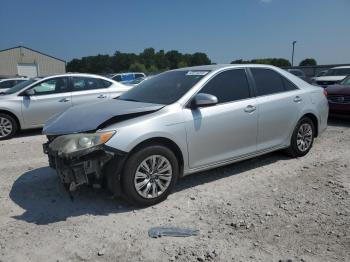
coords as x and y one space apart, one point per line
203 100
29 92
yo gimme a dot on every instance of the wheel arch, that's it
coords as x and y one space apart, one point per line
6 112
314 120
165 142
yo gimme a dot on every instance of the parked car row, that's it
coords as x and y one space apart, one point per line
339 97
332 76
8 83
32 102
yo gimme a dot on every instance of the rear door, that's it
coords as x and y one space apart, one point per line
88 90
50 97
226 130
280 103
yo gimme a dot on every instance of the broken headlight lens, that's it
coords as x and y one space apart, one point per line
68 144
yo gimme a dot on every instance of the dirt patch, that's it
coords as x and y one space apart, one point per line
266 209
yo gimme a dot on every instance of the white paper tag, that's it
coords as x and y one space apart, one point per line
197 73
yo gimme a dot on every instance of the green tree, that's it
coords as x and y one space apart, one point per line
173 57
182 64
200 59
308 62
153 69
137 67
280 62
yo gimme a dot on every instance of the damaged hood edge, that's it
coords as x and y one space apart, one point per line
91 117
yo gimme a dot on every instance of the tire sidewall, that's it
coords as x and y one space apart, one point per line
132 164
294 145
14 126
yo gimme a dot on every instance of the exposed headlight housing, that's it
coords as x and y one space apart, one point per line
69 144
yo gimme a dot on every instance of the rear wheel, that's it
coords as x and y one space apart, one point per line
8 126
302 138
149 175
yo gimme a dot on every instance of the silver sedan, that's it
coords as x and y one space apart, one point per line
31 103
181 122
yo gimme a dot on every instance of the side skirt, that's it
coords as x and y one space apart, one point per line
232 160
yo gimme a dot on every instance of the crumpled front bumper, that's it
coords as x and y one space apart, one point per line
88 167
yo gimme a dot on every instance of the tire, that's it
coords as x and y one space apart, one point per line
305 132
8 126
154 184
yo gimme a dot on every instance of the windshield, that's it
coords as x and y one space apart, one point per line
165 88
19 86
346 81
338 72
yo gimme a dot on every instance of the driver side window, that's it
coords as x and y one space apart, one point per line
228 86
52 86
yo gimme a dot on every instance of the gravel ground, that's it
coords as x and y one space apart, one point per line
270 208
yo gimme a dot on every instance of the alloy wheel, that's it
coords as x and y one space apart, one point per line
6 127
304 137
153 176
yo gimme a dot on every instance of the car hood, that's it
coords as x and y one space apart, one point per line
338 90
90 117
329 78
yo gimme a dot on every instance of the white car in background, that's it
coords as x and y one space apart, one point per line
333 76
8 83
31 103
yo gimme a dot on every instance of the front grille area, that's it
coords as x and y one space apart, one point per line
339 99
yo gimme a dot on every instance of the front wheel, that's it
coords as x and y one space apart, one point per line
8 126
302 138
149 175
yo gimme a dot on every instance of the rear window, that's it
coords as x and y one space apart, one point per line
267 81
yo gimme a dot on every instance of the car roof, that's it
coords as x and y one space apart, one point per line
222 66
340 67
14 78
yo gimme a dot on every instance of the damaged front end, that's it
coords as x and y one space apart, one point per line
84 159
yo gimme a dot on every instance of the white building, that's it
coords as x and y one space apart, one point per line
23 61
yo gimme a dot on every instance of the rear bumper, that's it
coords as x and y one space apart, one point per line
339 108
90 168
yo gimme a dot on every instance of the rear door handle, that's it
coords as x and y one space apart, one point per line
297 99
64 100
249 109
102 96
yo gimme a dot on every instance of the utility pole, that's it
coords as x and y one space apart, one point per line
294 42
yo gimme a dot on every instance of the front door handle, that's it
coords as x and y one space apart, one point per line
64 100
297 99
102 96
249 109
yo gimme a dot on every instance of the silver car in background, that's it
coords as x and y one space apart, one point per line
31 103
8 83
181 122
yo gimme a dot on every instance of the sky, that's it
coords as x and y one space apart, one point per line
224 29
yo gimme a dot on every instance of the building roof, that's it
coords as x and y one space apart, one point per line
33 51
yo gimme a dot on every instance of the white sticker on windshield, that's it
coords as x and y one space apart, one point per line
197 73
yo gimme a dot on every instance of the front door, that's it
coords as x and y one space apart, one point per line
227 130
50 97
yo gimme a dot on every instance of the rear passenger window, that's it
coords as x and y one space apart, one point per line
86 83
288 86
228 86
106 83
267 81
